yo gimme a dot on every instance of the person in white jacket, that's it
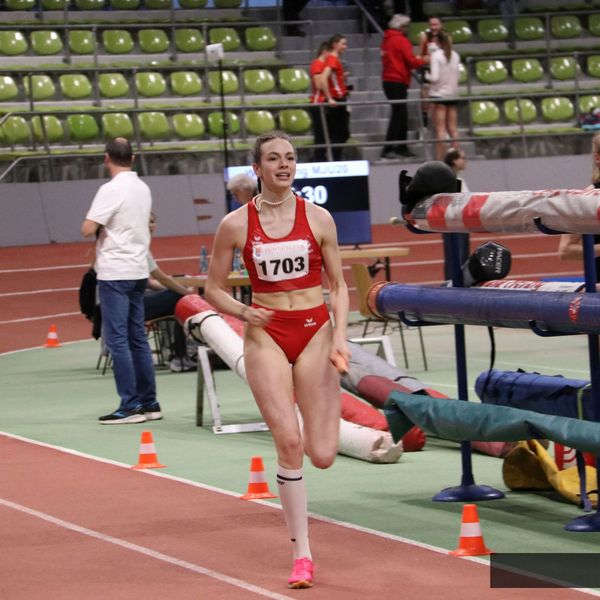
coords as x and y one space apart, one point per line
443 94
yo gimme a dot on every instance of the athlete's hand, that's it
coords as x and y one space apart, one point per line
257 316
340 356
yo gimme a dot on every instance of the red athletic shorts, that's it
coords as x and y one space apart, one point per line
291 330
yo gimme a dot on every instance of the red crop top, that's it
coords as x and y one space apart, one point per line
293 262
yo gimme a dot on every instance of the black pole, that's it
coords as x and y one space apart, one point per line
223 115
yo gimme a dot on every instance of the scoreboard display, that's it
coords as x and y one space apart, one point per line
340 187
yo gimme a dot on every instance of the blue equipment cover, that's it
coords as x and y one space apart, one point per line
547 394
564 312
475 421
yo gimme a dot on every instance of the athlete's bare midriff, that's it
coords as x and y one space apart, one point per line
292 300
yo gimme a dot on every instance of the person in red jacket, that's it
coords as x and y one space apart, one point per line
398 62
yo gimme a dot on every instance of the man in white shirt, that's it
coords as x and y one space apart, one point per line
119 217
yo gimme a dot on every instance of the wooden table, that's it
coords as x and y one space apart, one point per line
238 280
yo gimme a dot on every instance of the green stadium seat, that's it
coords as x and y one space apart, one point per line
228 3
295 121
188 126
46 43
462 73
186 83
563 67
557 108
82 41
191 4
293 80
492 30
125 4
485 112
153 41
42 87
158 4
593 66
491 71
117 125
459 30
112 85
260 38
225 35
230 82
565 27
189 40
520 111
258 81
8 88
589 103
82 128
20 4
12 43
259 121
75 86
527 70
154 125
215 124
52 126
529 28
117 41
150 84
594 24
55 4
415 29
15 130
90 4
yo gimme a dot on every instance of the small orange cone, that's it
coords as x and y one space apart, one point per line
257 485
148 458
471 541
52 339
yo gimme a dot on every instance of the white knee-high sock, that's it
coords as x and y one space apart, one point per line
292 492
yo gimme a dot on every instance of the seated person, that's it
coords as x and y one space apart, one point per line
243 188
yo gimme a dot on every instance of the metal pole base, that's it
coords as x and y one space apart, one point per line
584 523
468 493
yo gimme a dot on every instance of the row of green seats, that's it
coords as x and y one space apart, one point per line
150 84
526 29
153 126
115 4
524 110
121 41
528 70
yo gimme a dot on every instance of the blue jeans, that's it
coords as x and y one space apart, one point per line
122 305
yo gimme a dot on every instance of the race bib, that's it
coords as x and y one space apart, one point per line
280 261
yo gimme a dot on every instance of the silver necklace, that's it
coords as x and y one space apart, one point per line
258 201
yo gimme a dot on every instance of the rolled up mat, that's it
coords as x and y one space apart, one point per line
558 312
548 394
476 421
574 211
357 411
530 467
368 444
192 304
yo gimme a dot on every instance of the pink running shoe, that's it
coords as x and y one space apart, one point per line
302 573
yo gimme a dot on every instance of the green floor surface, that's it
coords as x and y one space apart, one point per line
56 396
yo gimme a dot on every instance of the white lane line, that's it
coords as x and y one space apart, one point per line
143 550
46 291
26 319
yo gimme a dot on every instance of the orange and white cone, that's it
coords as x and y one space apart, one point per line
471 541
257 484
52 339
148 458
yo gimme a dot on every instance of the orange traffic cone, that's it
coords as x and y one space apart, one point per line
52 339
471 541
257 485
148 458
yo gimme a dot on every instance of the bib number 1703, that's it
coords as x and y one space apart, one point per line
277 266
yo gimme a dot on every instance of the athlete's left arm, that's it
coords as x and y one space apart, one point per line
338 290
